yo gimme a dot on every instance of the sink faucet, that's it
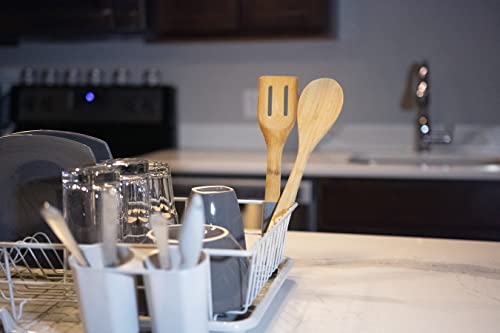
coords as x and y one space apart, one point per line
425 135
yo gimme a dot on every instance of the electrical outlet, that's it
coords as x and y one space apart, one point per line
250 97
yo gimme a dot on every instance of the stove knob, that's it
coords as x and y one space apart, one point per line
151 77
95 77
29 76
50 77
121 76
72 77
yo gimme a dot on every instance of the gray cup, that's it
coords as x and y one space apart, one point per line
229 275
222 209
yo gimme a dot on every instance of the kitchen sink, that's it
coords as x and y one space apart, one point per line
425 160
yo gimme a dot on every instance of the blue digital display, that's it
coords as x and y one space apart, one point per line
90 96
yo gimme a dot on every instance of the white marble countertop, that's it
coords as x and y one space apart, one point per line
353 283
321 164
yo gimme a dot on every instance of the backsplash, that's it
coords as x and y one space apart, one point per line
377 43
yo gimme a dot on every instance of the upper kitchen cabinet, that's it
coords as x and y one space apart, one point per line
194 17
285 17
158 20
78 19
173 19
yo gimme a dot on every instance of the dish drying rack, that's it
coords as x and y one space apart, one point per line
34 270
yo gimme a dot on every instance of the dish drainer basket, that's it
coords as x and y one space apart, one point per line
35 270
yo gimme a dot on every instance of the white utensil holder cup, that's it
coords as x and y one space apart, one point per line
107 296
178 300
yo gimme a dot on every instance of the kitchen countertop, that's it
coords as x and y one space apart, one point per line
353 283
321 164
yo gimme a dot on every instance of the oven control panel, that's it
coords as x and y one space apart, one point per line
92 104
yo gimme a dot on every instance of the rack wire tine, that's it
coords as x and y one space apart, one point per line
46 239
10 285
18 272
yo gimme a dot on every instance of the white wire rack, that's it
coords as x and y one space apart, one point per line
35 270
264 257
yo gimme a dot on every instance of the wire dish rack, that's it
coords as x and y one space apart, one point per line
34 270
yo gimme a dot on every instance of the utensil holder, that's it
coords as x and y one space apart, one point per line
107 296
178 299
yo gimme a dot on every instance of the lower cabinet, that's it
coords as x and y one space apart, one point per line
427 208
402 207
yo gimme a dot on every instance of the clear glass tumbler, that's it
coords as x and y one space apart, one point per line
82 200
162 194
135 197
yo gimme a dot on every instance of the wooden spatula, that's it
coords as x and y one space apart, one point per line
276 112
319 107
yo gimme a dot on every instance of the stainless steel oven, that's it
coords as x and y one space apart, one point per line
132 119
304 217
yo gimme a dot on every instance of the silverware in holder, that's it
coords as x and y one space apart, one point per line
178 299
107 295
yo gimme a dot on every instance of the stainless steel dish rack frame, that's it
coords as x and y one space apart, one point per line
35 270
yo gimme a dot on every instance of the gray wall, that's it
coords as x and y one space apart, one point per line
377 42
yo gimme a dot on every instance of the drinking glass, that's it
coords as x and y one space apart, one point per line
82 200
135 196
162 194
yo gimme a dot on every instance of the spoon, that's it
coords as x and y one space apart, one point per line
192 232
320 105
109 222
56 222
276 112
160 229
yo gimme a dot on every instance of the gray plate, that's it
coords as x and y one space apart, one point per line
99 148
30 173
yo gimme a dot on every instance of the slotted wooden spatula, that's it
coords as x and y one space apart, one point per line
320 105
276 112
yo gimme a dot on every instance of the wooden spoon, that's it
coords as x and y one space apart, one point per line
276 112
319 107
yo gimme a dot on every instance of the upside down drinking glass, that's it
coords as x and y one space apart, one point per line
82 200
141 187
162 196
135 196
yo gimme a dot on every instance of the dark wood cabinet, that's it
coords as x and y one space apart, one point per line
158 20
239 18
427 208
285 16
195 17
77 19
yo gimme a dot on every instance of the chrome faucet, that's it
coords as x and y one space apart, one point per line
425 135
